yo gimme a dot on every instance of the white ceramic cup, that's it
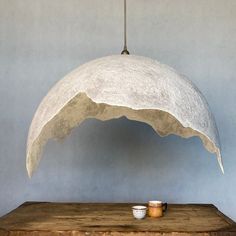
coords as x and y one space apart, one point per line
139 212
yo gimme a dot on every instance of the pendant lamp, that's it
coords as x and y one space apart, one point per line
136 87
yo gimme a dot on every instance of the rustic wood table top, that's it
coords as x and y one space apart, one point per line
76 219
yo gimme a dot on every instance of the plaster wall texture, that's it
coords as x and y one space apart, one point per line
117 160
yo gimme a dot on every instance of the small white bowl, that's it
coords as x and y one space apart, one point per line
139 212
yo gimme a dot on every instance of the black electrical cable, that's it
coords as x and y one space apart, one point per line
125 51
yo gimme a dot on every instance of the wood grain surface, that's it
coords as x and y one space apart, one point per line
109 219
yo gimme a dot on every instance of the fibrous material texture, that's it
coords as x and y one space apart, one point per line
136 87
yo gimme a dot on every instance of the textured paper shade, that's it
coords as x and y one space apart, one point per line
136 87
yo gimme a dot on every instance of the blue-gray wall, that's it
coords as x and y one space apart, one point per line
119 160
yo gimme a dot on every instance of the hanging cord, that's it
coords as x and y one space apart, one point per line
125 51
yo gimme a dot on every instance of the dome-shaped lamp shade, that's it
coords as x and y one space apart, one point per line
136 87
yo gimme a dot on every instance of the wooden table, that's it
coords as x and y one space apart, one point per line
74 219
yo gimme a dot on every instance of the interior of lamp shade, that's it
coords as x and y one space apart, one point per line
132 86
